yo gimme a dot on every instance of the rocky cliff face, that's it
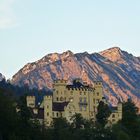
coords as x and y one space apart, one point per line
118 70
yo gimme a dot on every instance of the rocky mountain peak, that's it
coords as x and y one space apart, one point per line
67 54
113 54
52 57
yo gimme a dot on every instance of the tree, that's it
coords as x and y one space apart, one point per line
60 129
8 117
60 123
16 125
78 121
103 112
130 118
123 136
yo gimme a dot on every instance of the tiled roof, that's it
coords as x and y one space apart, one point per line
79 85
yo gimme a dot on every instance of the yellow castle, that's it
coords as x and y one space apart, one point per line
68 99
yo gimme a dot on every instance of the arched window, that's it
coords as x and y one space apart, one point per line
57 114
97 93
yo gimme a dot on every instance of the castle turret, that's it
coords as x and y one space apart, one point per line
59 94
98 91
119 107
30 101
47 110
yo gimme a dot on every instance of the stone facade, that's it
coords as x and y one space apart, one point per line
68 99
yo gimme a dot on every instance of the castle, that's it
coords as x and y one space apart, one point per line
68 99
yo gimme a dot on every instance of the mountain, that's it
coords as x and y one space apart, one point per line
118 70
1 77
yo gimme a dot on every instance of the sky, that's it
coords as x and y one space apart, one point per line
30 29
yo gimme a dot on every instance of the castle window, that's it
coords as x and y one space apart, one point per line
57 114
85 100
47 106
57 92
57 98
97 93
94 101
47 113
80 99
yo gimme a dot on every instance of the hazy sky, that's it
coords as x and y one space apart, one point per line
30 29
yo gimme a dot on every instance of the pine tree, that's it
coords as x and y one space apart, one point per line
103 113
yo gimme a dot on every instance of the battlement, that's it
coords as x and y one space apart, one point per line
80 88
30 101
98 84
48 97
30 97
60 82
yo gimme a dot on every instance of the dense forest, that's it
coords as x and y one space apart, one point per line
17 125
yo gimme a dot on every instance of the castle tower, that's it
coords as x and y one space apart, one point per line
97 96
119 107
59 93
47 110
98 89
30 101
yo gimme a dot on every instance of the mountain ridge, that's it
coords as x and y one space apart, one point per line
118 70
